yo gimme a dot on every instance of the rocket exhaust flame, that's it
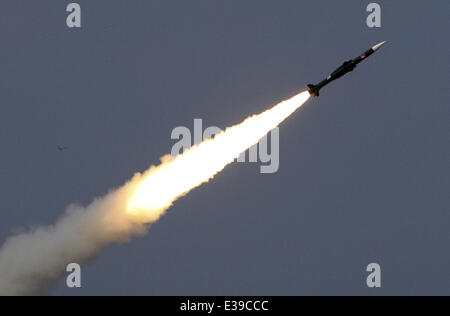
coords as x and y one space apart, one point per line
173 178
31 262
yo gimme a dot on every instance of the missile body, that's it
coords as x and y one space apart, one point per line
342 70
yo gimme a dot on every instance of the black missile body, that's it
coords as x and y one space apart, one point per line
342 70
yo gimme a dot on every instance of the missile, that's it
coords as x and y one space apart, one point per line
342 70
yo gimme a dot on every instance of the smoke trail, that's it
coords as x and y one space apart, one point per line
30 263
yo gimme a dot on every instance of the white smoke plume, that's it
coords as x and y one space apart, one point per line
31 262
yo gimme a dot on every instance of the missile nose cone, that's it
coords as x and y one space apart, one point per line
377 47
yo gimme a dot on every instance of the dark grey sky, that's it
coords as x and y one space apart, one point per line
364 170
